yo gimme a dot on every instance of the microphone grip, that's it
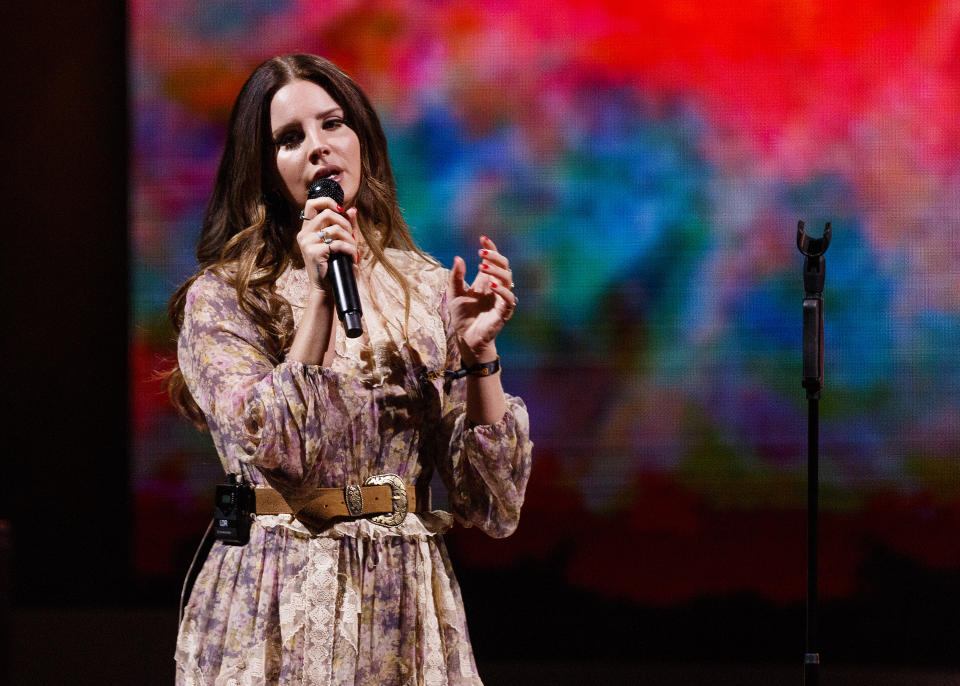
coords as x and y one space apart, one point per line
340 267
345 293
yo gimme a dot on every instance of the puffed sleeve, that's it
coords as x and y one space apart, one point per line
484 467
278 416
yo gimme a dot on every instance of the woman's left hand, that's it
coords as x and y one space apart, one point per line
478 311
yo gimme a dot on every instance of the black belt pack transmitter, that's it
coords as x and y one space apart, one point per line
233 511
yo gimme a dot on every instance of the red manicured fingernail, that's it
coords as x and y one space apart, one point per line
493 284
484 266
339 208
353 235
484 238
484 252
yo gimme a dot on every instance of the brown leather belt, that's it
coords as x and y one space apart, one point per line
383 498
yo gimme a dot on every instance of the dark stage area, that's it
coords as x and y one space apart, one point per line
134 647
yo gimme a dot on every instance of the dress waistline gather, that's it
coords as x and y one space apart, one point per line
416 525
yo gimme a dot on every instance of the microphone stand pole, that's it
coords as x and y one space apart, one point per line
814 268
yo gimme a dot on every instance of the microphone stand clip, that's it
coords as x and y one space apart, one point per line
814 273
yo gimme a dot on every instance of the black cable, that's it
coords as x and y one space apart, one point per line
190 574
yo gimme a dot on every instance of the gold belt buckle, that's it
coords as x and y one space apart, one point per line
398 499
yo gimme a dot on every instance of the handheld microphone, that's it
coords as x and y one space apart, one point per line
340 272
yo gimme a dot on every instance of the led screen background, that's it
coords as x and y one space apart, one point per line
644 165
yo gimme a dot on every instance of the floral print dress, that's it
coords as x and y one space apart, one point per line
355 603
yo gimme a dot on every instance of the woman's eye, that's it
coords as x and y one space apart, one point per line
333 123
289 140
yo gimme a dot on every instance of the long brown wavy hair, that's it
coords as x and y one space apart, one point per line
248 233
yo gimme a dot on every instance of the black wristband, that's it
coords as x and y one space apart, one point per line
478 369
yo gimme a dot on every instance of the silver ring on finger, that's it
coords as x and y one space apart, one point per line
323 236
302 218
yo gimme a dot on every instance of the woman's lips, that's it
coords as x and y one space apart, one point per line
332 174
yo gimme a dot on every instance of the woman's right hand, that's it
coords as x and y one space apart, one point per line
323 220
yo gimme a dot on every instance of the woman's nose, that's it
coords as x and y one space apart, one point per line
318 148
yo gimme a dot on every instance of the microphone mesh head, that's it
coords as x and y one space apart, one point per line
326 188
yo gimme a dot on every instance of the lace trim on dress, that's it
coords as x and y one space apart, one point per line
323 600
307 605
186 656
385 327
431 640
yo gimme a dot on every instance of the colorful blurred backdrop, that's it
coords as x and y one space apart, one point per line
644 165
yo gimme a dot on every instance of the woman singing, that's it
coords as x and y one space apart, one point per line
345 578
